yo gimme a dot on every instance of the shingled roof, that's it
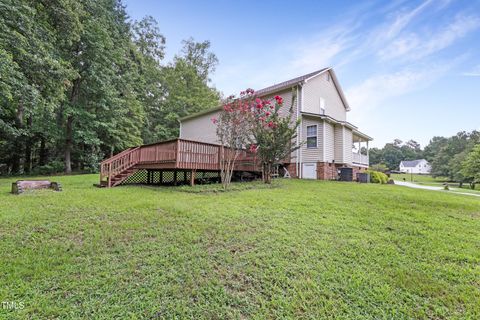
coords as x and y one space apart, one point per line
280 86
288 83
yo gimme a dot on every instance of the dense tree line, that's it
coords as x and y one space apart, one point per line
393 153
80 81
456 157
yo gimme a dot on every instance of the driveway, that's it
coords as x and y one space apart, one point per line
418 186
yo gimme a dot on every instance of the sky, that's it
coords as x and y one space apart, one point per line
409 69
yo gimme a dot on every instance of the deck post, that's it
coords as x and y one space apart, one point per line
149 175
185 177
175 177
160 181
192 177
109 174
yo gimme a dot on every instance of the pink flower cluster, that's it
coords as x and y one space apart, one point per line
249 91
262 110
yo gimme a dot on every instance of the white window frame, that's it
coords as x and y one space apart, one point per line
313 136
322 105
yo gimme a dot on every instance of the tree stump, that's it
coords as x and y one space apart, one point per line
22 185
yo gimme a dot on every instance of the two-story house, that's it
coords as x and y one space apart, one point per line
420 166
329 141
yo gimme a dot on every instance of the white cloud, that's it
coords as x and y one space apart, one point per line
414 46
322 49
378 89
395 39
393 28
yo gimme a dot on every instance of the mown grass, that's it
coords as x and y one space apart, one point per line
427 180
303 249
422 178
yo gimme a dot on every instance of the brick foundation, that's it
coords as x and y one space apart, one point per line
325 170
292 170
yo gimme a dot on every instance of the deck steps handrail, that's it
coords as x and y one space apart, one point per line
118 163
118 155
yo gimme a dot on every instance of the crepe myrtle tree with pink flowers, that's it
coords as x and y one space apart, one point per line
256 123
233 130
273 134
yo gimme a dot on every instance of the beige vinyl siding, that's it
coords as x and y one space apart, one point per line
343 144
200 128
339 144
312 154
329 142
287 101
318 87
348 143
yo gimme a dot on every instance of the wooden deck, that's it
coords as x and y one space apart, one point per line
173 155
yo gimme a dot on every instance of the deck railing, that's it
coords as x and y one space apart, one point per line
197 155
159 152
118 163
360 158
176 154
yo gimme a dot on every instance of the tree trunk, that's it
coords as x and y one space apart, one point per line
69 126
68 145
17 155
43 152
28 147
269 173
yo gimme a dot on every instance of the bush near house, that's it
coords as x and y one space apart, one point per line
378 177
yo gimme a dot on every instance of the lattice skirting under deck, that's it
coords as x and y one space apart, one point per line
156 177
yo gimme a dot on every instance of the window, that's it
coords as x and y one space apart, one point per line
312 136
322 105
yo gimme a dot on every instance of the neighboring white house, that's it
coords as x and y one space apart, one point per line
330 141
420 166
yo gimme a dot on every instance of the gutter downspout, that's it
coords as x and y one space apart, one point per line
298 137
180 130
324 149
301 129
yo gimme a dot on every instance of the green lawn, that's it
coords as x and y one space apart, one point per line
421 178
303 249
435 182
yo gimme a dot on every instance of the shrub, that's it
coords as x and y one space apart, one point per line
377 177
92 162
379 167
51 168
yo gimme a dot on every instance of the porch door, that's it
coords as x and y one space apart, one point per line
309 171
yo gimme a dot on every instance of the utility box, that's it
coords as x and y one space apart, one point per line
346 174
363 177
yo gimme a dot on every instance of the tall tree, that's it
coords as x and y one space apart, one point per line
199 56
79 81
471 166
